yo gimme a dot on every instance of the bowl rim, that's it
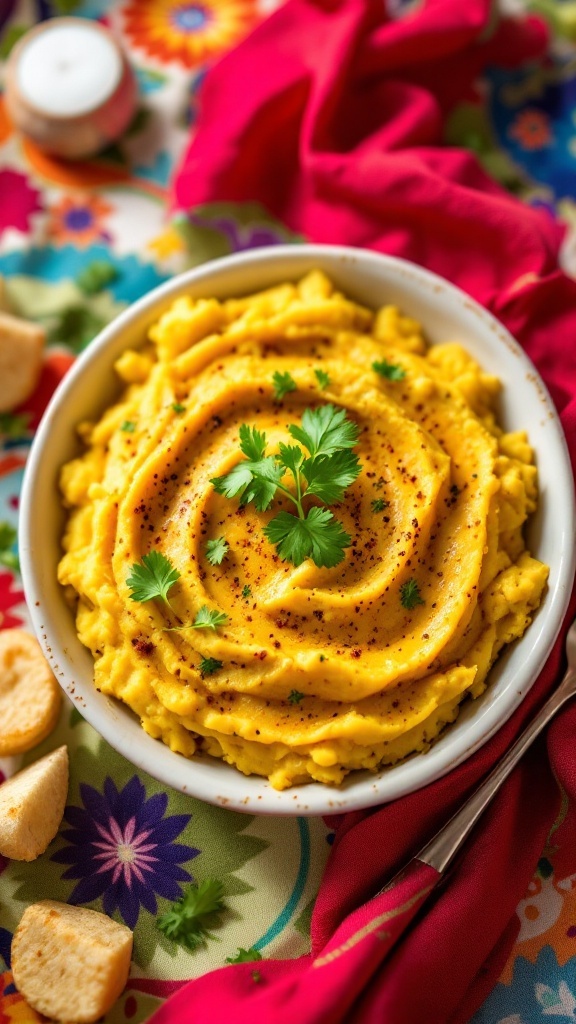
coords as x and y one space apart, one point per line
311 798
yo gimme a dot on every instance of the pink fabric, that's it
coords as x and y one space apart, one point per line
331 115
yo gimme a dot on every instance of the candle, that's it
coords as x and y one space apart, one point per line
69 87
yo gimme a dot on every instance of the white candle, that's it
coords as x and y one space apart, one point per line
69 87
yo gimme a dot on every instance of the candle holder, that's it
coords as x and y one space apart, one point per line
69 87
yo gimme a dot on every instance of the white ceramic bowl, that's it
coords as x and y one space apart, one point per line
447 314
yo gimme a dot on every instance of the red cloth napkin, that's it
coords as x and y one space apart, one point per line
331 115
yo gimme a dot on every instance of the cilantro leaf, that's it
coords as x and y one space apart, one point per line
284 383
152 578
244 956
246 592
318 536
391 371
378 505
208 618
216 550
209 665
128 427
325 430
252 442
294 697
410 594
328 476
96 276
178 407
290 456
190 919
252 481
322 378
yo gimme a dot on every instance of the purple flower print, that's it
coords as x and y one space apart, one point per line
122 849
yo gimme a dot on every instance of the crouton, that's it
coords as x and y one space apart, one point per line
69 963
21 354
31 806
30 697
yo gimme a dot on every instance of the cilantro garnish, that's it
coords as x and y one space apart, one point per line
216 550
246 592
96 276
209 665
152 578
391 371
410 594
318 536
178 407
208 618
283 384
244 956
378 505
322 378
294 697
190 919
325 473
128 427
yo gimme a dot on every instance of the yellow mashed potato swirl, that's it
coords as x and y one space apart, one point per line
374 680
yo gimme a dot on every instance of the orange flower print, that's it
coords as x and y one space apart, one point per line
79 219
531 129
188 33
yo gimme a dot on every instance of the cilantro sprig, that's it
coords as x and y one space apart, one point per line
244 956
216 550
284 383
410 595
390 371
153 578
190 920
208 666
322 465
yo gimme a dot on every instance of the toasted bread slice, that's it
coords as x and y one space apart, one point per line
30 697
31 806
69 963
21 355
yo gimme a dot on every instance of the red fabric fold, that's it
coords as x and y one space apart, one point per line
331 115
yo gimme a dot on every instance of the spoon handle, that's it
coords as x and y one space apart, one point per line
441 850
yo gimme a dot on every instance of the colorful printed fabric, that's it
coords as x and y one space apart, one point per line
57 223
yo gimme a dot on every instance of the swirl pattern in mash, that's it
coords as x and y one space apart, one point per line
440 503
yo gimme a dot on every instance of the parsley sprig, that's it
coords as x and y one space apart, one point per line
190 920
390 371
284 383
153 578
244 956
216 550
324 473
410 595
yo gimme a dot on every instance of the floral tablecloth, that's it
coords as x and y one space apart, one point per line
56 220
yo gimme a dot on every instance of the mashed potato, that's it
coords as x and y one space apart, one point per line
320 671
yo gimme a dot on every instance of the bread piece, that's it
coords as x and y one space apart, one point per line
30 697
70 963
31 806
21 353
